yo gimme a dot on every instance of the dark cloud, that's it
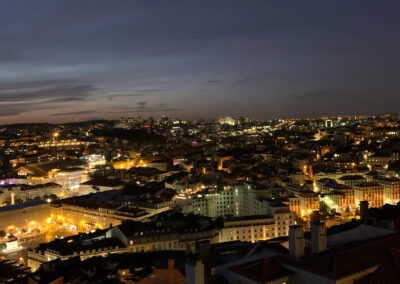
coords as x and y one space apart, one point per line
145 108
73 113
141 104
212 81
315 94
24 96
136 93
150 90
65 99
49 91
249 79
9 86
14 109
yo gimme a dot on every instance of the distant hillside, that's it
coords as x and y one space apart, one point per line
136 135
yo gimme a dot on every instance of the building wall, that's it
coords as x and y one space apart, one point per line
85 219
155 242
391 191
29 193
32 216
304 204
372 194
241 200
254 230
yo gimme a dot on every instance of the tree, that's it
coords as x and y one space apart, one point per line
324 207
53 197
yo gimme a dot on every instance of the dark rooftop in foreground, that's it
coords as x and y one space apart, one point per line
262 271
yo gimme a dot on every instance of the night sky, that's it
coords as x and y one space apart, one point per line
197 59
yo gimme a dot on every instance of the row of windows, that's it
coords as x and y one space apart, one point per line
256 237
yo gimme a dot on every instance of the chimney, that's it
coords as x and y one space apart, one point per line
171 271
296 241
315 217
204 249
318 237
363 209
194 271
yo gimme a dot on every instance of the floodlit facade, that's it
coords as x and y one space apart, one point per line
241 200
255 228
371 192
391 189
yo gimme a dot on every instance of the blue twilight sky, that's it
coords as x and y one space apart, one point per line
193 59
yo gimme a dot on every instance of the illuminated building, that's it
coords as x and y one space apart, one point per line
255 228
161 165
227 120
304 203
221 161
69 178
352 180
380 161
24 216
94 160
24 192
384 132
371 192
129 237
391 189
335 174
341 198
328 123
241 200
88 214
241 208
60 171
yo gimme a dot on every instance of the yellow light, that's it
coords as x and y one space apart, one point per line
56 134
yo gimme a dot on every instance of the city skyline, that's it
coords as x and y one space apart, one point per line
196 60
199 142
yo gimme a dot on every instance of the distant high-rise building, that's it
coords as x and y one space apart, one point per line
227 120
328 123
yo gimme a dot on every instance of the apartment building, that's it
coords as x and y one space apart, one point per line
371 192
